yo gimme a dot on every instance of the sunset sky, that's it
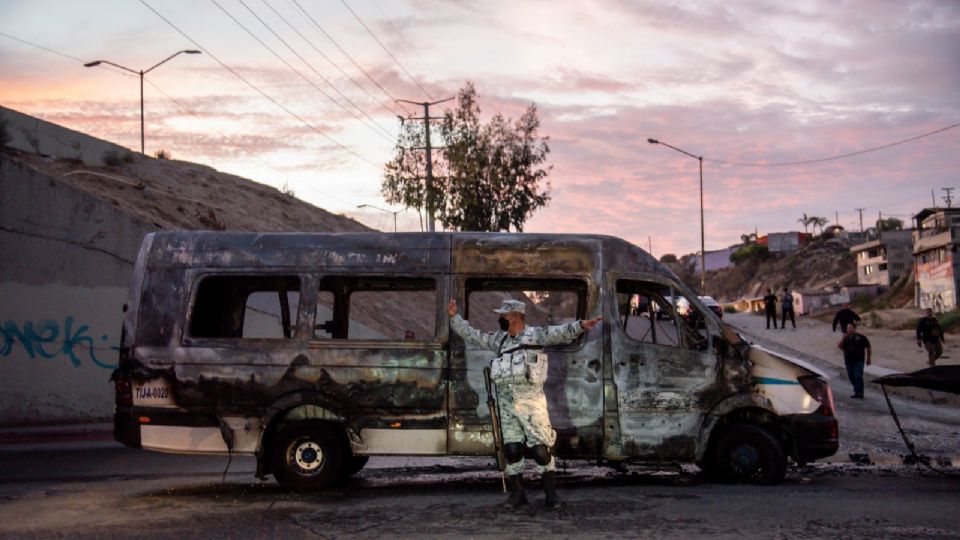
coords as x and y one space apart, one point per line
752 86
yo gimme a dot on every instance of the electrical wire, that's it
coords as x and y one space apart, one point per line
178 104
384 47
832 158
294 115
388 105
384 132
306 79
345 53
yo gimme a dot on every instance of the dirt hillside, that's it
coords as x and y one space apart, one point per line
818 265
173 194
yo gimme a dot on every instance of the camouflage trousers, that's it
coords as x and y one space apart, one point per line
524 419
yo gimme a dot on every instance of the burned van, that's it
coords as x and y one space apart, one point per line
314 351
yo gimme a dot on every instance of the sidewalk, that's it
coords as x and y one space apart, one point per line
894 351
50 437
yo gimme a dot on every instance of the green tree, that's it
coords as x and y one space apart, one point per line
805 220
890 224
668 258
487 177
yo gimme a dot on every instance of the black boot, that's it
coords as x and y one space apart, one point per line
518 497
550 490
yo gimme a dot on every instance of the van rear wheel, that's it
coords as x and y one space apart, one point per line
307 456
748 454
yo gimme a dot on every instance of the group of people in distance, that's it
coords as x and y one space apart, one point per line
856 346
770 301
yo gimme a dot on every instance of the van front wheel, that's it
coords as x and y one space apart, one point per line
307 456
746 453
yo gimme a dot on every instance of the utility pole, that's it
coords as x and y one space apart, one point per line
428 188
861 217
879 225
947 197
836 217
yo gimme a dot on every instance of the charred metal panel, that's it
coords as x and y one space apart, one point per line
408 252
519 255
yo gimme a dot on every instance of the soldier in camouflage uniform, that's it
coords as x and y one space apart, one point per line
518 372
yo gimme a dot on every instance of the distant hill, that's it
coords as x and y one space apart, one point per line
818 265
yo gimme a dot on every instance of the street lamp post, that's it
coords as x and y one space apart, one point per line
141 73
394 212
703 252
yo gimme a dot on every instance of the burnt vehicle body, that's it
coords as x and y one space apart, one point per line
314 351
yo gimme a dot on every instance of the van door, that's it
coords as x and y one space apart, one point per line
662 362
574 386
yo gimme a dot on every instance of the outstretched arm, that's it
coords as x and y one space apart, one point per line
487 340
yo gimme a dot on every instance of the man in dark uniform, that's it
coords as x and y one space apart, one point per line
844 317
930 335
786 308
856 350
770 308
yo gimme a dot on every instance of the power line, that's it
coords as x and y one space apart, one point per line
831 158
306 79
386 104
399 34
384 47
309 65
261 92
183 107
345 53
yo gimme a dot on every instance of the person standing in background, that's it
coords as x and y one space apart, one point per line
786 308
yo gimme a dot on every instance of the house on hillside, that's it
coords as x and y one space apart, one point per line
716 260
747 305
809 300
883 260
784 242
935 240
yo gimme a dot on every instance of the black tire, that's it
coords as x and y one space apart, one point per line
354 464
748 454
307 456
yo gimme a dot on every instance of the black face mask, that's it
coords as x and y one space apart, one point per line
504 323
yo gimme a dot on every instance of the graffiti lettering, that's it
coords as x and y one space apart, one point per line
47 339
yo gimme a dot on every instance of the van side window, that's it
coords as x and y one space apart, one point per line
245 307
548 301
376 308
656 314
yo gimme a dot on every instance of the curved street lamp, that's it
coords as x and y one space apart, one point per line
141 73
703 252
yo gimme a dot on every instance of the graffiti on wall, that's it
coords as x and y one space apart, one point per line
50 339
936 285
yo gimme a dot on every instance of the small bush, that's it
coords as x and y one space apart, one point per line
162 154
729 309
112 158
949 320
751 252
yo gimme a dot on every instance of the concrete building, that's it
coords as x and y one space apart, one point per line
935 242
784 242
881 261
716 260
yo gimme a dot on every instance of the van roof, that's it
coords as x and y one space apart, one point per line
410 250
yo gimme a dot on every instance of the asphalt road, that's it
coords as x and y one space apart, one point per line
102 490
111 492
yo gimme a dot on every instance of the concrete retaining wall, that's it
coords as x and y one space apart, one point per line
65 263
33 135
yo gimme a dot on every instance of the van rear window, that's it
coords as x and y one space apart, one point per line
245 307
